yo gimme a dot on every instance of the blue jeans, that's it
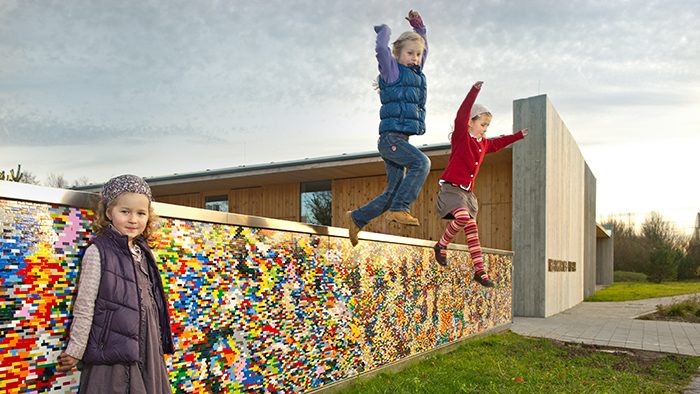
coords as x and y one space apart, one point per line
401 189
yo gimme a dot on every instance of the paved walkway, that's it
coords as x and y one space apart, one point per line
614 324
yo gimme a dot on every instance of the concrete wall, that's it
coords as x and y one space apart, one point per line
605 258
549 215
530 208
257 305
590 261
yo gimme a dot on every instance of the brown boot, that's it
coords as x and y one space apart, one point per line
352 228
402 217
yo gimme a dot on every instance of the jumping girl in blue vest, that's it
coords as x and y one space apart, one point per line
402 90
121 325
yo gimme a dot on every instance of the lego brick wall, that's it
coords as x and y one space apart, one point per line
253 310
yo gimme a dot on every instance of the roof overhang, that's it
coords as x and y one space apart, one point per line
344 166
602 232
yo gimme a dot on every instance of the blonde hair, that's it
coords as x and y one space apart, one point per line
403 38
101 221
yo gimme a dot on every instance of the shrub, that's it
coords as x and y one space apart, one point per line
682 309
689 267
663 264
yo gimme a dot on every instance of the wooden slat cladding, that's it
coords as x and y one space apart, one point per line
282 201
493 191
246 201
190 200
272 201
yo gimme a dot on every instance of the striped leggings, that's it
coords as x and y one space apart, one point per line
463 220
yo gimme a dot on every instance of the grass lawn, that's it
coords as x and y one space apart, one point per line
507 362
627 291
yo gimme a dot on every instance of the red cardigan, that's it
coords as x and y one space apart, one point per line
467 153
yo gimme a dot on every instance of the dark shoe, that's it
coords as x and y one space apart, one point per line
483 279
442 260
402 217
353 230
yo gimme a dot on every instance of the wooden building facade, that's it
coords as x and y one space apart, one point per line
275 190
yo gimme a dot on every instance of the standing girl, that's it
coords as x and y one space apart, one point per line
402 91
121 325
456 199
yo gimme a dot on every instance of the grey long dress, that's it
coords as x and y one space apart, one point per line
149 376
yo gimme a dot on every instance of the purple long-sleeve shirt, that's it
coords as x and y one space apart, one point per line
388 66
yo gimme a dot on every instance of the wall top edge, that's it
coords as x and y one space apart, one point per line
539 96
80 199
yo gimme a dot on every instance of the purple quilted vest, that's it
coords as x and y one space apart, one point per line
114 336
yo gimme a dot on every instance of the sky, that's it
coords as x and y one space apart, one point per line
94 89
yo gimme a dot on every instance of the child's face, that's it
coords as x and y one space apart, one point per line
478 126
129 214
411 54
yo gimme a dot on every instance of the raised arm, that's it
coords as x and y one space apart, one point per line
463 114
416 22
388 67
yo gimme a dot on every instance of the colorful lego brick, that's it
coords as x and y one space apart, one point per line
253 310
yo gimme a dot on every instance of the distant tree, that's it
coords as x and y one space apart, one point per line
634 249
631 253
82 181
667 248
689 267
663 264
57 180
320 206
30 178
20 176
53 180
658 232
11 175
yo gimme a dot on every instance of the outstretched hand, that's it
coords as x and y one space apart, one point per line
524 131
415 20
478 85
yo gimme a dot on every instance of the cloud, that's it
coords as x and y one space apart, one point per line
298 74
111 69
575 48
35 129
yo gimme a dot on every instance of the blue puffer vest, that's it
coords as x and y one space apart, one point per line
114 336
403 102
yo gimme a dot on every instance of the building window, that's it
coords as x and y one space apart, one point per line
316 203
216 203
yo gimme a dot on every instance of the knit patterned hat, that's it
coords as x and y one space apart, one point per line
478 109
124 184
